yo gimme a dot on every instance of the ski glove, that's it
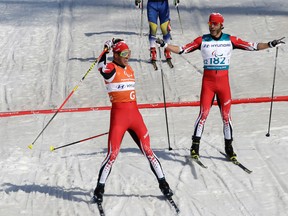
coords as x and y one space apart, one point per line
108 45
161 42
138 3
175 2
276 42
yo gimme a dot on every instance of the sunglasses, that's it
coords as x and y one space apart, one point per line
125 53
213 23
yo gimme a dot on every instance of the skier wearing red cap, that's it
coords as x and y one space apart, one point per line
216 50
125 116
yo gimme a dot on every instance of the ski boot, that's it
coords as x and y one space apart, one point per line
165 189
167 54
194 151
153 54
168 57
98 193
229 150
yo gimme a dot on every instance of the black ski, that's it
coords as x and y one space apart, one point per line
199 162
173 204
154 65
236 162
169 62
100 208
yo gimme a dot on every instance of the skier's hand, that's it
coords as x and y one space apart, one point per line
161 42
108 45
138 3
276 42
176 2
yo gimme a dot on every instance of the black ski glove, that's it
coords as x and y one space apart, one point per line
176 2
276 42
161 42
138 3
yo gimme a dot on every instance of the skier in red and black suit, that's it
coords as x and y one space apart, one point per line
216 49
125 116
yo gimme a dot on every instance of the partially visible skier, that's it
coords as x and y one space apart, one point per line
158 9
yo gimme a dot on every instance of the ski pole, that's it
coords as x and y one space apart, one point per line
179 18
52 148
272 96
65 101
164 98
141 24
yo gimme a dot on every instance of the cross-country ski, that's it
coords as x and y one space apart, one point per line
236 162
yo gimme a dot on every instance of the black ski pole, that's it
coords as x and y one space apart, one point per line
141 24
164 98
52 148
272 96
179 18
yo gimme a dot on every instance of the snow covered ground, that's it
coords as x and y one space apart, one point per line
48 45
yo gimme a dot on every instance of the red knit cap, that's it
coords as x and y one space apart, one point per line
216 17
120 46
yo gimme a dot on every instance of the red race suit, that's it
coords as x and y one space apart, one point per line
124 116
216 55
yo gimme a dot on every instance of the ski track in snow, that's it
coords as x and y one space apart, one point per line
48 45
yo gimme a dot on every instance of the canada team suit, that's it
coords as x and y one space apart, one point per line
125 116
216 55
